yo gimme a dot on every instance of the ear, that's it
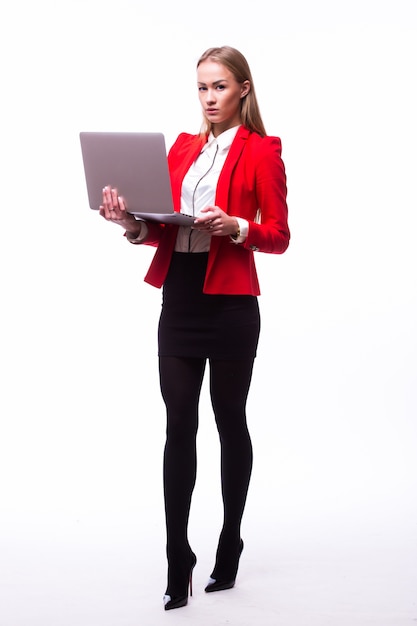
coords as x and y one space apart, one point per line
245 88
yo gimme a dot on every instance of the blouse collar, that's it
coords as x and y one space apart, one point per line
224 140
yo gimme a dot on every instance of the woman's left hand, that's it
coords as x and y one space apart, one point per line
214 221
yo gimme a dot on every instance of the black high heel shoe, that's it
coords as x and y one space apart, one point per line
175 602
215 584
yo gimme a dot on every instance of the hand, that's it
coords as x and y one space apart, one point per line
114 209
214 221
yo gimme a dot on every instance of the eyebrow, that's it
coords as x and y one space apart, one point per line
216 82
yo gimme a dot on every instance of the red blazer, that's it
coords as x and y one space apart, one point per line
252 178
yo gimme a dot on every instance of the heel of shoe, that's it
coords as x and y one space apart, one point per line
177 602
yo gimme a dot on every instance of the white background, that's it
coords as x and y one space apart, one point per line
331 521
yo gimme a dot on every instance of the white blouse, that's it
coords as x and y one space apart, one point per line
199 189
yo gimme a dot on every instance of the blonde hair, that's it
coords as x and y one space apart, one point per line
236 63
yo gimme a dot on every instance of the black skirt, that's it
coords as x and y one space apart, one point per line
198 325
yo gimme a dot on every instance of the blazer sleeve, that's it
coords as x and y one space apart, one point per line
269 232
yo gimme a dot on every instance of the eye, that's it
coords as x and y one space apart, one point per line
202 89
221 87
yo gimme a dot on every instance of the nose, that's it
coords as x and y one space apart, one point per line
210 96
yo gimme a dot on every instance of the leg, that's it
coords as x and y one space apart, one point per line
180 380
229 386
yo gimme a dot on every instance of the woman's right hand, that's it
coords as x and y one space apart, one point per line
114 209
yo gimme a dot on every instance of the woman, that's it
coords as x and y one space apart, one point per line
232 179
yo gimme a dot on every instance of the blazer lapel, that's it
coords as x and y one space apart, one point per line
222 191
223 185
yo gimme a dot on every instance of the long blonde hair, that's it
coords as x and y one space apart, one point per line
236 63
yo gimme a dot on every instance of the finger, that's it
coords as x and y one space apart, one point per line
207 213
114 198
122 203
204 221
107 203
106 198
104 212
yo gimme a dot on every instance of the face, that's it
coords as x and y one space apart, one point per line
220 95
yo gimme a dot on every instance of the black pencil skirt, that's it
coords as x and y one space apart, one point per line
198 325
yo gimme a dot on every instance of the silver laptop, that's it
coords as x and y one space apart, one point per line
135 163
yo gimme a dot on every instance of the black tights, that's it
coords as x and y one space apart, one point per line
181 380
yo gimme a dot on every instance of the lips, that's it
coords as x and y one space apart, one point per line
211 111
